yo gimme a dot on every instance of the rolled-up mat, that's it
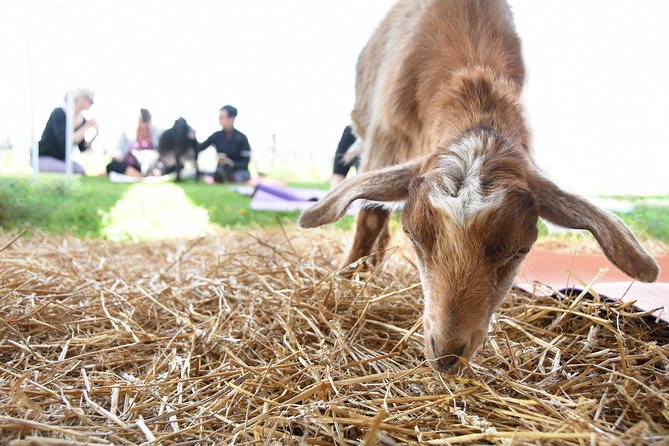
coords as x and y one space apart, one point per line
565 271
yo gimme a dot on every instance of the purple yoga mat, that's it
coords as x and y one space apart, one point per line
281 192
276 198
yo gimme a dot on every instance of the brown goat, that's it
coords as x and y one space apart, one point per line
442 131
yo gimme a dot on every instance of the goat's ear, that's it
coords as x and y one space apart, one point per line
389 184
617 241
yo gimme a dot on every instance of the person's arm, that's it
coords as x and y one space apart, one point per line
206 143
245 152
340 167
78 137
346 141
94 124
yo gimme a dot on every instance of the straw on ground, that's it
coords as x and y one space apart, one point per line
239 339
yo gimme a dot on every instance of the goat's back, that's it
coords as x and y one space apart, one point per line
411 56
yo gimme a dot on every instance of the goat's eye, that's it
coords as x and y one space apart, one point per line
515 256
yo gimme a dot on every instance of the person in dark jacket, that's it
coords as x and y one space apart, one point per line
233 148
52 144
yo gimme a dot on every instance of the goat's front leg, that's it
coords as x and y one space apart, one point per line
379 249
371 235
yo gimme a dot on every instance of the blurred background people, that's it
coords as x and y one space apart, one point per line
341 167
52 144
233 148
135 156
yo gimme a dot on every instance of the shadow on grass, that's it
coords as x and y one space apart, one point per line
55 205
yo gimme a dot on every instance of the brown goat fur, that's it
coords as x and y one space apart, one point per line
442 130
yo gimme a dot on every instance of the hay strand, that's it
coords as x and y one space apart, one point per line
254 338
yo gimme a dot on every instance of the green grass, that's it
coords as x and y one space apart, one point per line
649 217
94 207
649 221
54 205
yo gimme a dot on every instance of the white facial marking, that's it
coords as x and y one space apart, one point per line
391 206
462 174
427 297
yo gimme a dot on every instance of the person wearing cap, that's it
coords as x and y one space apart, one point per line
52 144
233 148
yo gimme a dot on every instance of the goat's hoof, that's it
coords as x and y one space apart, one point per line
351 269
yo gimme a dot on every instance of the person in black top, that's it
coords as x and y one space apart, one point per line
52 144
341 167
233 149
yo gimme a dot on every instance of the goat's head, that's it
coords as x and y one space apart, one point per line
471 213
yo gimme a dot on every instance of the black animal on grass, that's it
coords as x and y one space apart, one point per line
175 146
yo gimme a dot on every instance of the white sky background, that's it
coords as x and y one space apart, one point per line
597 95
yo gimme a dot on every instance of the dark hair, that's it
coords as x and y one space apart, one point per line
145 115
232 111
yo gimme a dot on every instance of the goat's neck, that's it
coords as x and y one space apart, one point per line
478 98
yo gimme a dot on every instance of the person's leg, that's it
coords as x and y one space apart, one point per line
116 166
132 172
241 176
341 169
123 168
221 176
51 164
133 166
336 179
78 168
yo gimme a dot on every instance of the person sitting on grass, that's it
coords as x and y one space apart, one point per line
233 149
52 144
135 157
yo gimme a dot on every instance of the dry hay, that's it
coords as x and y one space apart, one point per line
245 339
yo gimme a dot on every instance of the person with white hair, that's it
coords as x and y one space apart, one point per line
52 144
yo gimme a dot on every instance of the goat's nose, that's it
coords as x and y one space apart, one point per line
446 357
446 363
